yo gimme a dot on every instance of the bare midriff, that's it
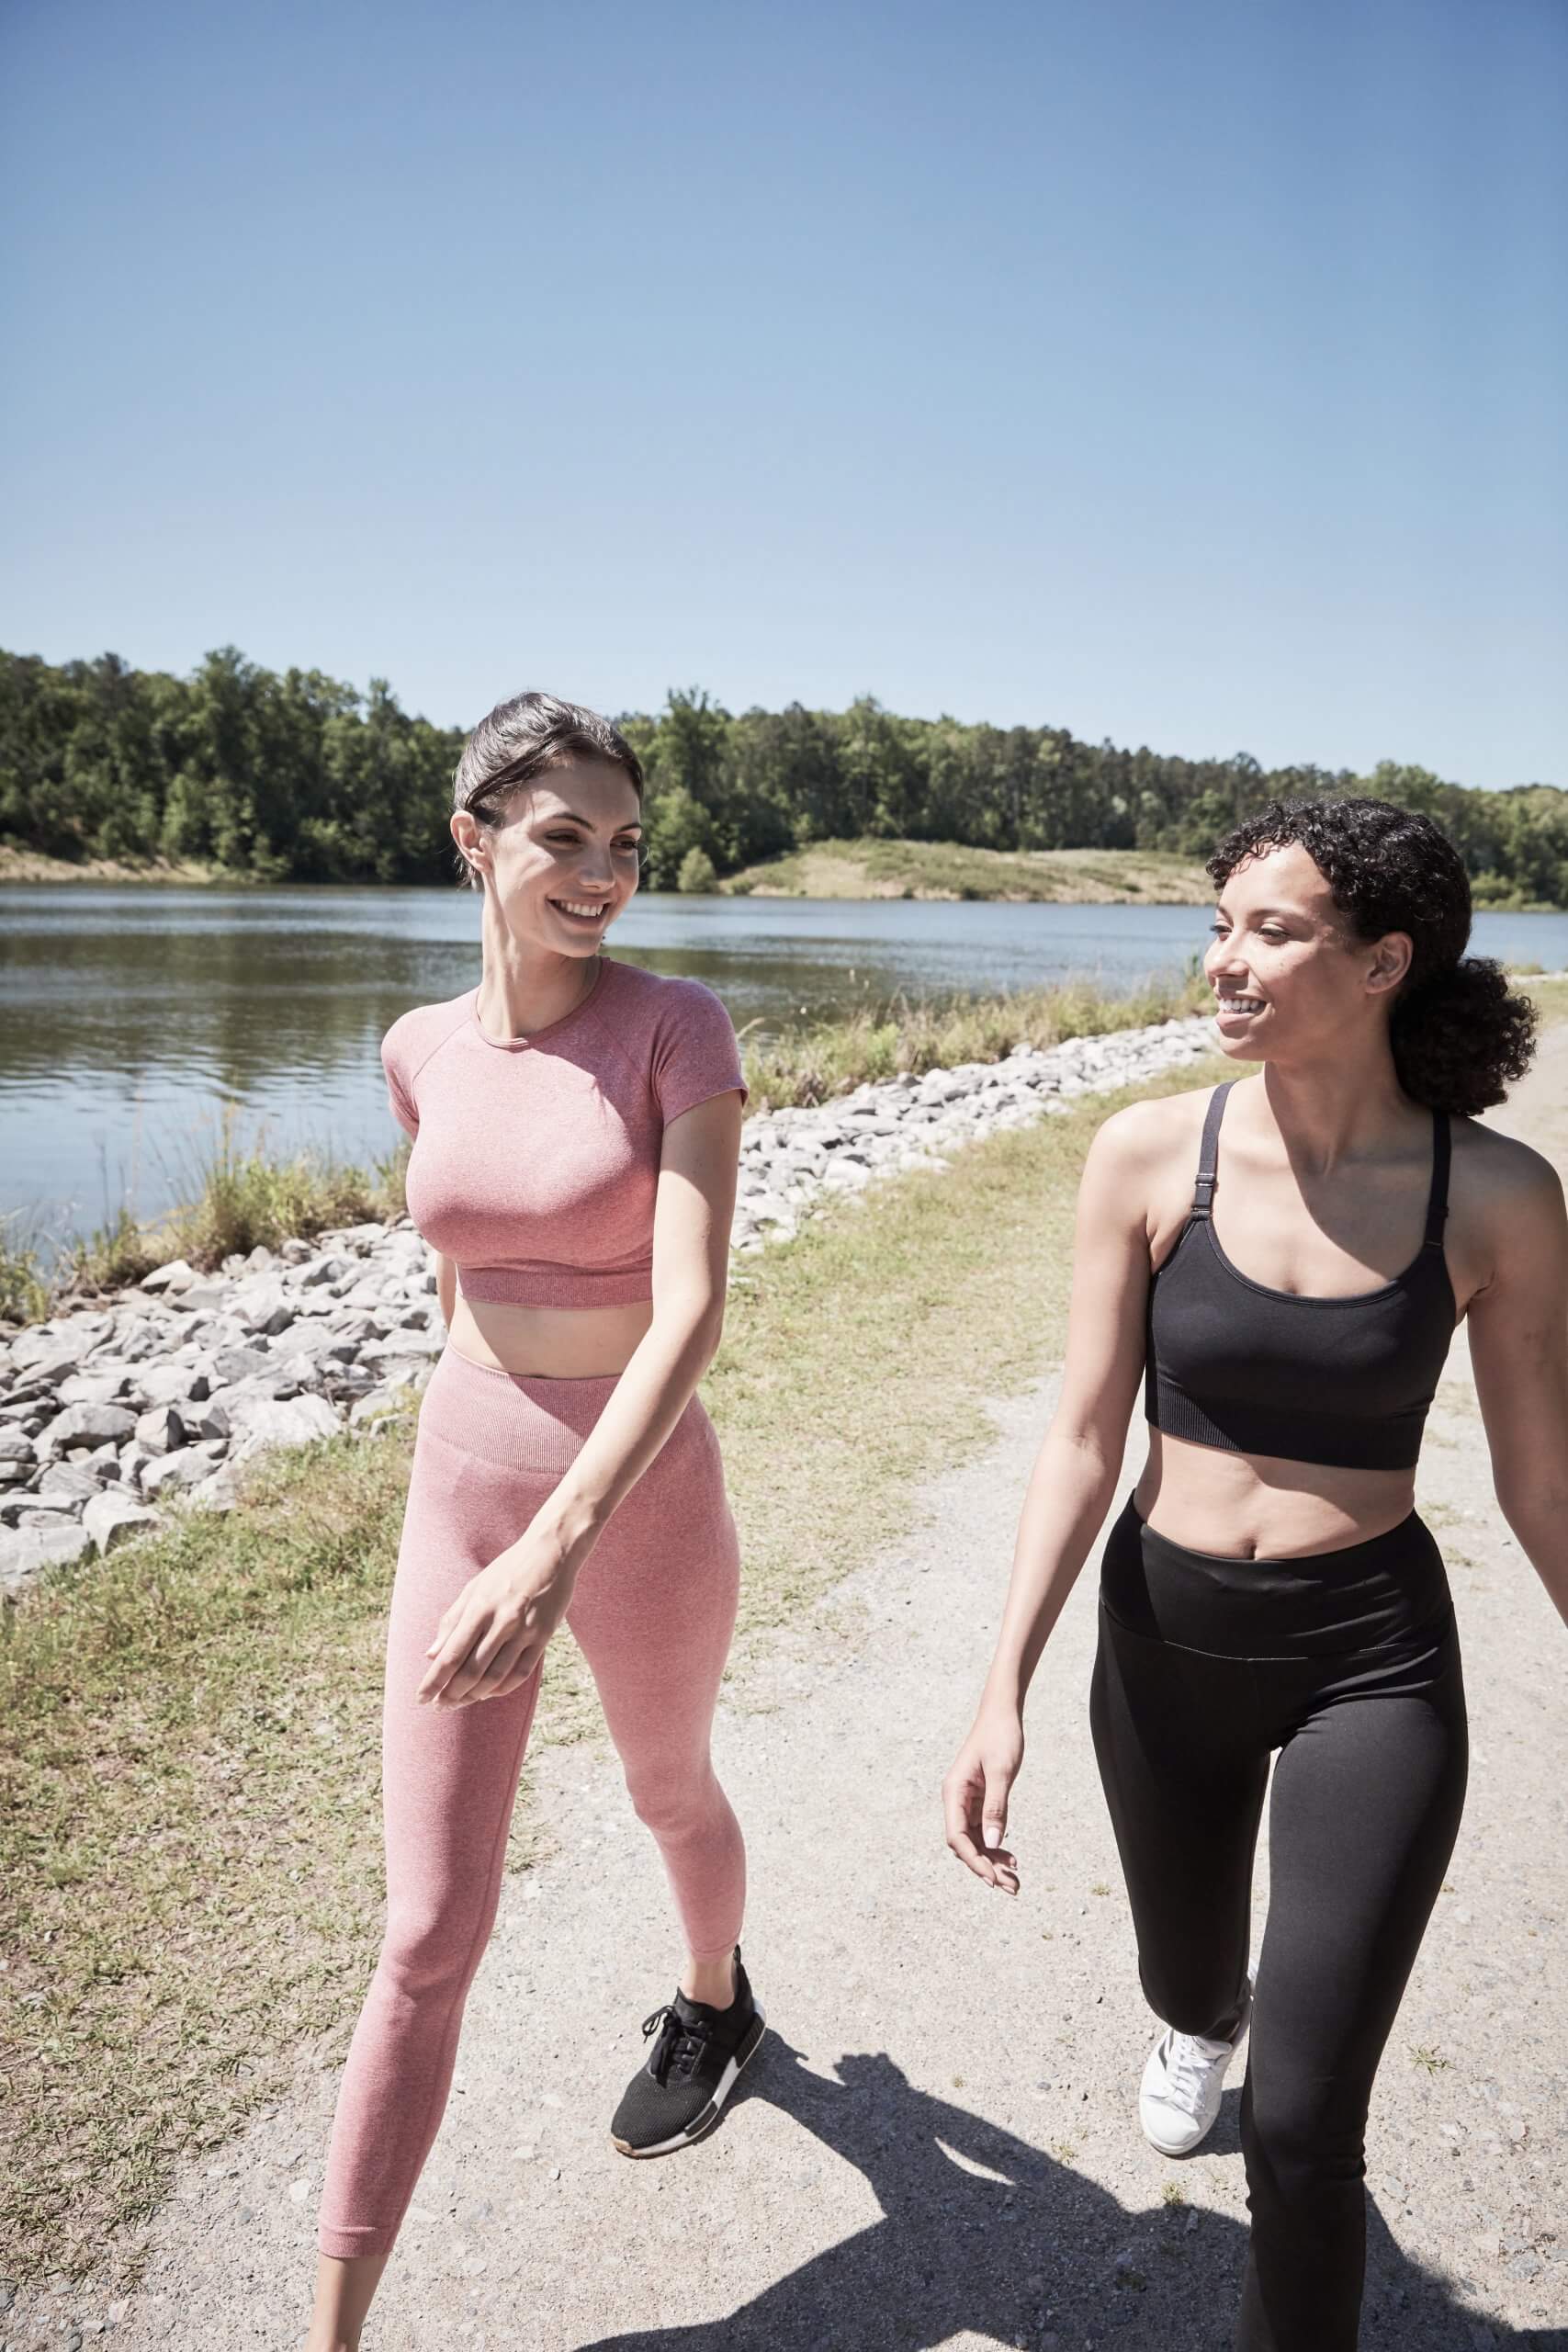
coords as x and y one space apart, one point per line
550 1342
1264 1507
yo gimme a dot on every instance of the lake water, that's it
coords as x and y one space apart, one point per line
130 1019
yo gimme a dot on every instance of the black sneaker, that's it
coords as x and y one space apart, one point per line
675 2097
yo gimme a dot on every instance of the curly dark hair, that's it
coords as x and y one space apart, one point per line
1459 1034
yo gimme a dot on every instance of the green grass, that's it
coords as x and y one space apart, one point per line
874 868
238 1196
811 1062
190 1826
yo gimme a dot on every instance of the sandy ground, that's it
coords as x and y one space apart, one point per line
937 2143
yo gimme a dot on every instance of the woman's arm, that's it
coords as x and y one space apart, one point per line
446 1284
1074 1476
694 1212
493 1637
1519 1353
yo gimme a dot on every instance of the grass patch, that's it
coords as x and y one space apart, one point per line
238 1196
190 1814
811 1062
872 868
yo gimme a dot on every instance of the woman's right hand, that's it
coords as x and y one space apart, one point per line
975 1794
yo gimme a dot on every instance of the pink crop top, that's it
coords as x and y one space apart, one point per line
535 1160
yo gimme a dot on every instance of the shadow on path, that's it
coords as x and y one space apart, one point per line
1022 2250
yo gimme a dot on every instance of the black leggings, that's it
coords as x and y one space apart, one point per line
1347 1662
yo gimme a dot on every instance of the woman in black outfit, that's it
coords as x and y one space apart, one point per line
1283 1262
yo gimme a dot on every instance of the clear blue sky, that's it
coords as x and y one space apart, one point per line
1191 372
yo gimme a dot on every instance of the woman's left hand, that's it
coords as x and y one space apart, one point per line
495 1633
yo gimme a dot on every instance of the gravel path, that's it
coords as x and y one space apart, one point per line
937 2143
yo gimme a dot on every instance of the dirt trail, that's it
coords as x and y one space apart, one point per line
938 2145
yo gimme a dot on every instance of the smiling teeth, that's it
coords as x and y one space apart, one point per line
1241 1004
572 908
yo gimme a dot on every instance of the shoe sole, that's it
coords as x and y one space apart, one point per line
703 2124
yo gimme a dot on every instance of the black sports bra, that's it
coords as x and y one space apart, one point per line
1345 1380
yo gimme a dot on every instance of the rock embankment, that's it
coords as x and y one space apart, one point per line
112 1415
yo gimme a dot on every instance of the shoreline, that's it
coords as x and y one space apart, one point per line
116 1411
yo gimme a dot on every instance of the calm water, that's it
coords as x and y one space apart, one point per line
131 1019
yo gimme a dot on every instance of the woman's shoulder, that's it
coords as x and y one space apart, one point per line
660 998
1150 1131
420 1032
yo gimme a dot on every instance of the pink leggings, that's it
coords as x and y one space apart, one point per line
653 1612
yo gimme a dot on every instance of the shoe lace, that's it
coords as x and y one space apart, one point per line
681 2045
1189 2062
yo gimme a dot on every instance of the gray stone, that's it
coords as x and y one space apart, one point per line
14 1470
180 1469
81 1426
328 1270
66 1482
24 1555
161 1429
262 1306
114 1513
304 1338
171 1384
202 1297
177 1275
203 1416
402 1346
297 1421
16 1446
234 1364
95 1388
216 1493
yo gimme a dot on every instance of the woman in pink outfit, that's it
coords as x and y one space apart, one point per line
577 1130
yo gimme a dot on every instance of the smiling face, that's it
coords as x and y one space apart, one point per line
562 856
1291 977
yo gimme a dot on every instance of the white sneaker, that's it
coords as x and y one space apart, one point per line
1179 2096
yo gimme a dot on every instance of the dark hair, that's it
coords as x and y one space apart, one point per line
1459 1035
525 738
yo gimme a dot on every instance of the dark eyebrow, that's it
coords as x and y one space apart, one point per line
1260 912
633 826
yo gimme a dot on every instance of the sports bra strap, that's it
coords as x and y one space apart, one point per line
1438 1204
1209 1150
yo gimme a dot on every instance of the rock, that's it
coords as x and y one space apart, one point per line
297 1421
201 1296
71 1481
305 1338
114 1513
234 1364
16 1446
133 1461
328 1270
401 1346
93 1387
175 1276
171 1384
162 1431
213 1493
182 1468
14 1469
262 1306
205 1416
46 1351
85 1425
26 1554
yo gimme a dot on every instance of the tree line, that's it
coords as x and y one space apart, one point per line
299 778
